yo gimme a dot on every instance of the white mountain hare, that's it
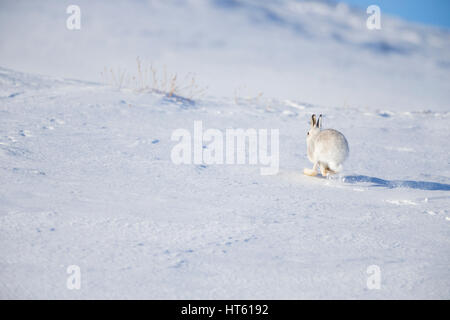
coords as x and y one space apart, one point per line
327 149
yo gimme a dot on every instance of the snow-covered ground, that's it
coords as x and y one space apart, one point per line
87 177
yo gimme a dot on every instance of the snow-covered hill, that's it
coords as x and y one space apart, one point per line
87 177
313 51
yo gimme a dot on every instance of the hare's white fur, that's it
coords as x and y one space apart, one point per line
327 149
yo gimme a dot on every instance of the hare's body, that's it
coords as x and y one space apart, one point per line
326 149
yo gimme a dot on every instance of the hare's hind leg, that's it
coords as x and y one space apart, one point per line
311 172
325 170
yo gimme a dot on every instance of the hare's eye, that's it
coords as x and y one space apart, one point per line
307 133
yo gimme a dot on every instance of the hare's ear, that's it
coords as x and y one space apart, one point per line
313 120
319 122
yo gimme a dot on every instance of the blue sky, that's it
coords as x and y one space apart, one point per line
432 12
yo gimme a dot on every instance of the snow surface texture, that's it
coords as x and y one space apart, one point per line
86 176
